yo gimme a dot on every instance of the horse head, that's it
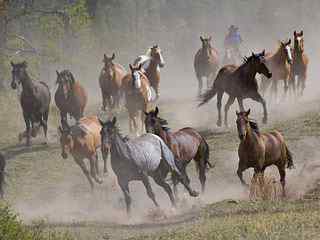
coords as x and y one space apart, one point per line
66 80
153 123
136 74
19 72
286 50
243 123
298 41
108 130
156 55
259 64
66 140
206 45
108 63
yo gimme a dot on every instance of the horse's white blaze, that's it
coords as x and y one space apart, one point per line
137 80
288 50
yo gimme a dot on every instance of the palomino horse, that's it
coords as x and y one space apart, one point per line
206 62
138 95
2 174
239 83
140 158
186 144
299 66
82 141
279 64
35 100
70 97
151 63
261 150
110 81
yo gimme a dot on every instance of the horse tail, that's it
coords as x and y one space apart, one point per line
208 95
168 156
289 158
202 162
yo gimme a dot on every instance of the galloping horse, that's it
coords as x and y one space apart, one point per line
206 62
82 141
35 99
186 144
138 95
279 64
110 81
300 65
261 150
151 63
137 159
70 96
239 83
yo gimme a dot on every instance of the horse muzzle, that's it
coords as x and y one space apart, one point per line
269 75
241 136
161 65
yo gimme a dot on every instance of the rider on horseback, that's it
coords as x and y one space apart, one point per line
233 41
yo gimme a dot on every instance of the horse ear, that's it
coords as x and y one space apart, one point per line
58 74
295 33
289 42
156 111
12 64
113 56
101 122
263 52
104 58
60 129
140 66
301 33
145 113
248 112
114 121
201 38
237 113
252 53
131 68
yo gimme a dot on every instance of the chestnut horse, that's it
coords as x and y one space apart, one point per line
70 96
279 64
186 144
299 66
82 141
206 62
138 94
239 83
261 150
151 63
110 81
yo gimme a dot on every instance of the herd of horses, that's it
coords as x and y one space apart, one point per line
161 151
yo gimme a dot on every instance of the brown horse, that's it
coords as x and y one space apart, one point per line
151 63
206 62
110 81
299 66
279 64
239 83
261 150
138 95
70 96
186 144
82 141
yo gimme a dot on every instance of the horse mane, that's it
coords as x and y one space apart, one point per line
254 126
69 73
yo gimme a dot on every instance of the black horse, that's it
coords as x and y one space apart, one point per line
239 83
139 158
35 99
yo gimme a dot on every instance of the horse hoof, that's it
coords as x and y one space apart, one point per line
194 194
219 123
264 120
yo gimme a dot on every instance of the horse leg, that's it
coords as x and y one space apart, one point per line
93 170
275 90
226 109
126 192
105 158
258 98
44 123
175 182
28 128
147 185
303 83
96 164
282 173
162 183
240 102
286 87
219 105
199 84
103 101
184 179
84 169
240 174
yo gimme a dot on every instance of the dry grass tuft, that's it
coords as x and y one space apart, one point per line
264 188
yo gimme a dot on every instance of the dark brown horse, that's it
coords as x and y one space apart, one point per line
2 174
82 141
138 96
239 83
261 150
110 81
35 99
186 144
151 63
206 62
299 66
70 97
279 64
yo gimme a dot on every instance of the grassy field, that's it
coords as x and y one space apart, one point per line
42 187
